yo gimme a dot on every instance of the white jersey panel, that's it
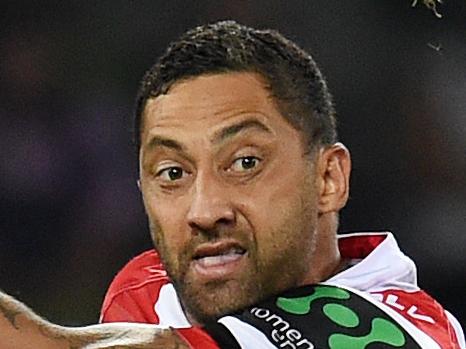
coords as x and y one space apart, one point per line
247 336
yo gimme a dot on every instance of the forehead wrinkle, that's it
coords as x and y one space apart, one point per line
180 110
220 107
230 131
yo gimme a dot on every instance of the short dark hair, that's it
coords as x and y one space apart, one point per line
290 73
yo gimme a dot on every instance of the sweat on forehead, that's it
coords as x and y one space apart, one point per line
294 79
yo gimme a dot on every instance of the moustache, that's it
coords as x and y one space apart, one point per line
215 236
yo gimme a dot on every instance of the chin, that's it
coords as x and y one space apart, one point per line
210 301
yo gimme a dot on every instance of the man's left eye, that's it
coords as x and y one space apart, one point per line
245 163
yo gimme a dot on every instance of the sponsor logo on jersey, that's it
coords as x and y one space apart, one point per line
282 333
327 317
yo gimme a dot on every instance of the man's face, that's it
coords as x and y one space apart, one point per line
229 191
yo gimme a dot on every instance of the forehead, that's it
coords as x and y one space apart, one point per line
208 100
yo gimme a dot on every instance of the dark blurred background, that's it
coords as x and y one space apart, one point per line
70 212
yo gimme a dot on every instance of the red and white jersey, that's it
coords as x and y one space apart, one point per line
380 273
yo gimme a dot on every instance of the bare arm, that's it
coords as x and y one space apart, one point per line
21 328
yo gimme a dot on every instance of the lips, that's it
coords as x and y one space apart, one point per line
217 260
214 256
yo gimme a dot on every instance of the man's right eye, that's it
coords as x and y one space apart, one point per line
171 174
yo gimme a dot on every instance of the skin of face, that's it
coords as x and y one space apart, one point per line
238 207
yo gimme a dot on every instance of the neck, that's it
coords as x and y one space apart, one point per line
327 260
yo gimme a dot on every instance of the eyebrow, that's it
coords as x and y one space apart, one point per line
233 130
159 141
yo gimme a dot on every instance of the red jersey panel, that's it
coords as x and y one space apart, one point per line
131 295
378 268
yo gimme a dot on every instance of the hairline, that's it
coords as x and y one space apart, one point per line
311 144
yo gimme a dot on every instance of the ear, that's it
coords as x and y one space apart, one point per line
334 167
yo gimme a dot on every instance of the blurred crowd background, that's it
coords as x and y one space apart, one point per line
70 210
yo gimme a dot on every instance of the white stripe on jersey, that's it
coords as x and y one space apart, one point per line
169 309
246 335
458 330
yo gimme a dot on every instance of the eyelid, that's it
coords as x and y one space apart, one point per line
248 149
160 170
245 171
164 178
165 165
163 155
255 158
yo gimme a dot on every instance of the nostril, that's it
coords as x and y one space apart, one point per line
207 218
219 228
226 221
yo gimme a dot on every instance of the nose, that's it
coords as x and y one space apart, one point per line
210 205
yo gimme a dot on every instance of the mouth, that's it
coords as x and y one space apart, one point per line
218 260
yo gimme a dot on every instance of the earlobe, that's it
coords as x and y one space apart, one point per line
334 172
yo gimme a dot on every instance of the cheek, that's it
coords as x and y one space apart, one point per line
281 193
167 225
283 211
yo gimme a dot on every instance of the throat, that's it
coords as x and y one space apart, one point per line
326 264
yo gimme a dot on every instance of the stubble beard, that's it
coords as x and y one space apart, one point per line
281 267
205 302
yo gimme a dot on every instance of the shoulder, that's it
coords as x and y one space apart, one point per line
424 313
134 289
335 317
